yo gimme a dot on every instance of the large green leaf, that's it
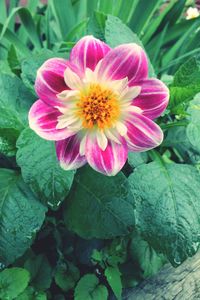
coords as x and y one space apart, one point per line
41 170
168 208
99 206
13 282
89 288
21 216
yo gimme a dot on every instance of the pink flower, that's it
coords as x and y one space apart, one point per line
98 105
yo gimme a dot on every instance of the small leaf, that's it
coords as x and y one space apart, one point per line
66 276
13 282
89 288
144 255
113 277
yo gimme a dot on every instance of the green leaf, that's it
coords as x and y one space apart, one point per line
144 255
40 272
186 84
13 282
168 208
21 216
66 276
113 277
31 294
89 288
41 169
193 128
99 206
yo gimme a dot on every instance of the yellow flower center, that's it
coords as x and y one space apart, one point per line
98 106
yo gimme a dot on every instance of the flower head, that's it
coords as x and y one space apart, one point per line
192 13
98 105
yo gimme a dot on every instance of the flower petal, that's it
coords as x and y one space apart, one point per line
143 134
43 120
128 60
88 52
108 162
68 153
72 80
50 80
153 98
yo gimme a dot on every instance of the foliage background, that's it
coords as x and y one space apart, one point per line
81 235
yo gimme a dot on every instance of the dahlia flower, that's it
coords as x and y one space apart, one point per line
98 105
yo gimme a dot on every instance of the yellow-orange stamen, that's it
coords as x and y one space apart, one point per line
98 106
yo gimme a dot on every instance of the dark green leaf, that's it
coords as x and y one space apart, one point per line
40 272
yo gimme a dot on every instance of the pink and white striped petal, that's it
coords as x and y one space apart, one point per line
153 98
68 153
50 80
88 52
108 162
43 120
128 60
143 134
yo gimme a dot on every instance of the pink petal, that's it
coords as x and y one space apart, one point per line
88 52
153 98
43 120
68 153
110 161
50 80
143 134
128 60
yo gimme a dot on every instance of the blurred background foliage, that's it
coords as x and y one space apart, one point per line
168 37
